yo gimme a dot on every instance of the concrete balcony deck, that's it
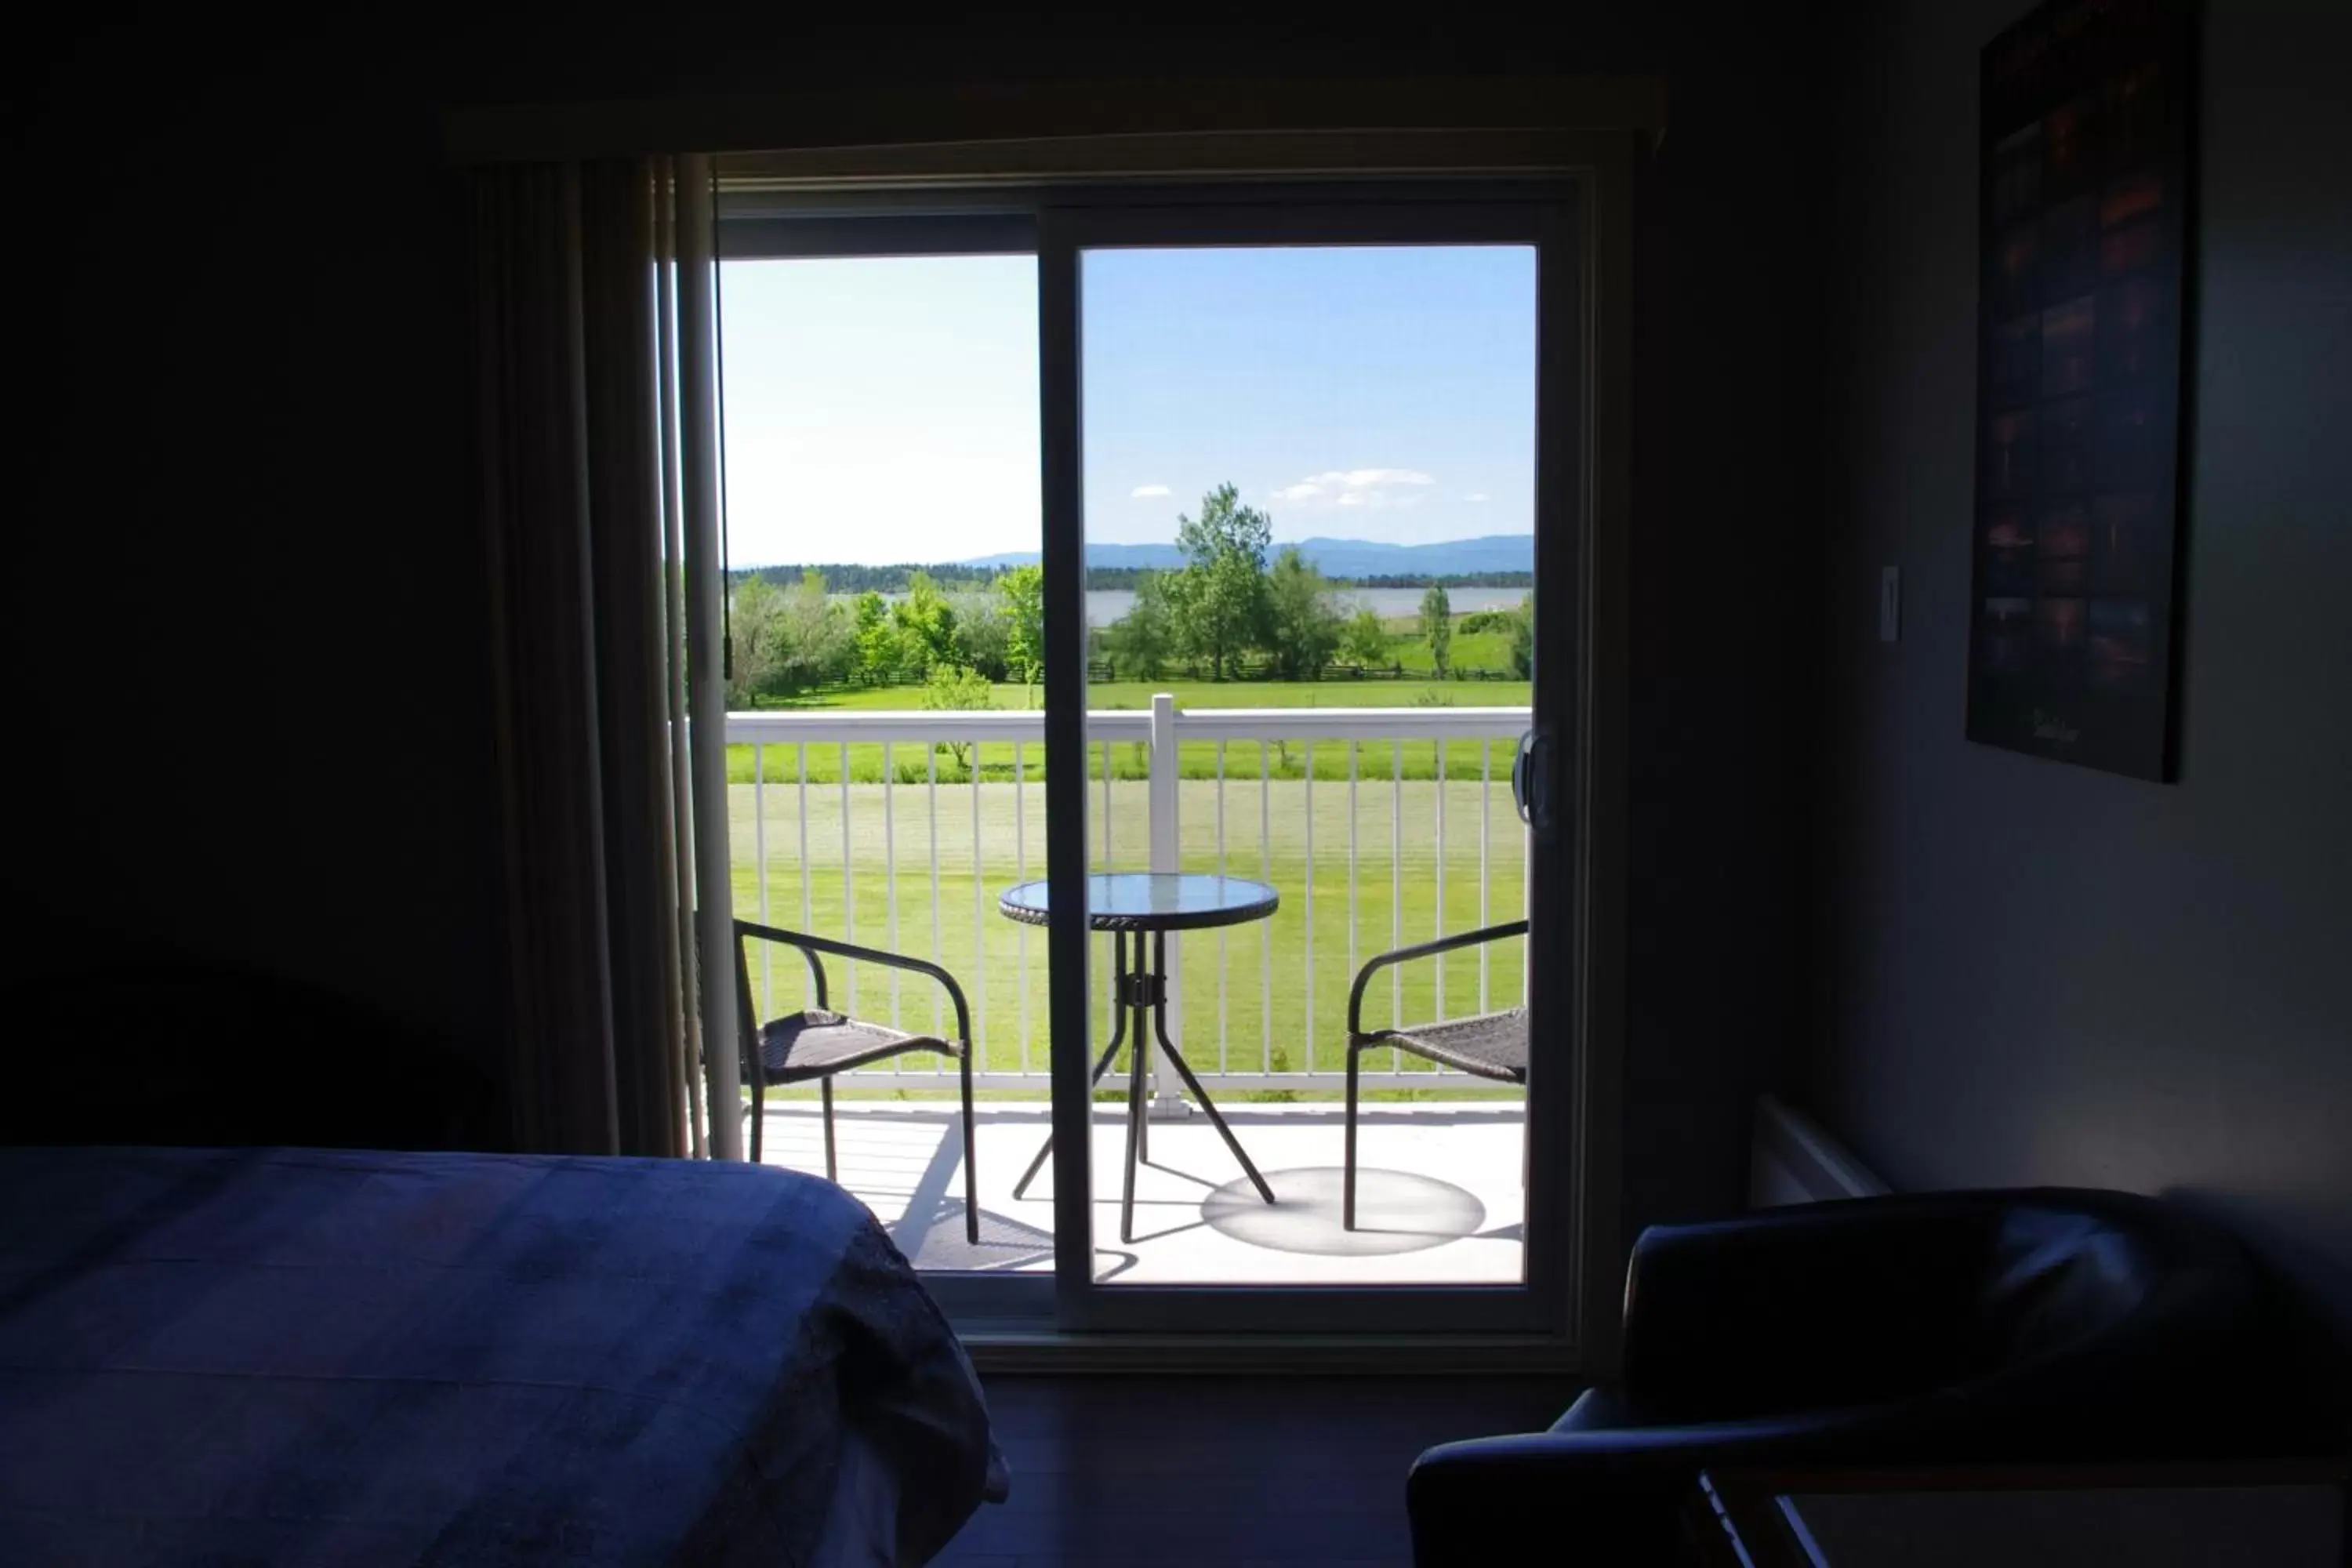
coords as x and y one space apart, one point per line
1439 1200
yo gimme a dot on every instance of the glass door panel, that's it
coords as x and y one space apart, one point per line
887 739
1317 504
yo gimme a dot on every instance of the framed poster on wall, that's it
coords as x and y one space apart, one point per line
2084 248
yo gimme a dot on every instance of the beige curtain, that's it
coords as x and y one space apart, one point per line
575 395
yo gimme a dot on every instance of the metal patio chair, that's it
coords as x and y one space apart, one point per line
1490 1045
816 1042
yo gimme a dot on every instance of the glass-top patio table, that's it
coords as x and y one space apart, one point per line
1140 904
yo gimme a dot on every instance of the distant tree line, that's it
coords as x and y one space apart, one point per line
854 579
1440 580
1227 613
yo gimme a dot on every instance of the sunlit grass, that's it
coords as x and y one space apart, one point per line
909 764
1266 996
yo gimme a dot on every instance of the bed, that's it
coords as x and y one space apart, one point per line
301 1355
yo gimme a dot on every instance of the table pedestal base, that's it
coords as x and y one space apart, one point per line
1143 992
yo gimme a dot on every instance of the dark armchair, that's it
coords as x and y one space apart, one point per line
2045 1324
815 1043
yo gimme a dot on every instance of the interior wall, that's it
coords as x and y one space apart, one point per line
2032 973
245 603
257 461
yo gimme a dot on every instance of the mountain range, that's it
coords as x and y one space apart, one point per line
1333 557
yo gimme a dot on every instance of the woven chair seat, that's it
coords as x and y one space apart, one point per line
814 1043
1492 1045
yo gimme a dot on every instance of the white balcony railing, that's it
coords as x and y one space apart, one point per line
846 827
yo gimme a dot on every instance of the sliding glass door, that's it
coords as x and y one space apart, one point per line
886 733
1159 613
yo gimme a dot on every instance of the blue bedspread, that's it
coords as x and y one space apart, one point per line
292 1355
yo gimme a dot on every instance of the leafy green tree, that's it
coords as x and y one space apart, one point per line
926 627
1301 624
1221 603
784 640
1364 640
814 641
1437 627
1177 590
958 689
1139 643
981 634
1523 638
752 639
879 652
1023 592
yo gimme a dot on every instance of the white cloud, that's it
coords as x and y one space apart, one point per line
1356 487
1372 478
1475 496
1145 492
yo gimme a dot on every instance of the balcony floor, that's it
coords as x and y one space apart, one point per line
1438 1201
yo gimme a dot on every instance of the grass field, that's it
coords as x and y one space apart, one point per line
1469 650
866 762
1256 997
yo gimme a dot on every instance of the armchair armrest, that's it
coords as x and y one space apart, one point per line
1609 1495
1829 1304
1421 949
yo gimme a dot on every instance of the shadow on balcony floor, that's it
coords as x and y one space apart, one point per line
1439 1202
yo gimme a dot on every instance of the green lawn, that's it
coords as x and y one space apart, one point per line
1197 760
1470 650
1248 1001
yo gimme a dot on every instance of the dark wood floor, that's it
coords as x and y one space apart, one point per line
1228 1471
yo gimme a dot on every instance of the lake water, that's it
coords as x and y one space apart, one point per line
1105 605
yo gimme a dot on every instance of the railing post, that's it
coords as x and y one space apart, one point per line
1167 1089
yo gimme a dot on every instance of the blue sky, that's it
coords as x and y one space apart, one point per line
887 410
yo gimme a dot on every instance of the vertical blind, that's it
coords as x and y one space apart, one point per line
594 365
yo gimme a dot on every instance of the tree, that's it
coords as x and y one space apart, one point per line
1437 627
926 627
753 635
981 636
957 689
1140 642
813 642
1301 625
1023 592
1364 640
1221 598
1523 638
878 650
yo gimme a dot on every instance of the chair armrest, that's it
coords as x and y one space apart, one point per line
813 945
1598 1495
1421 949
743 969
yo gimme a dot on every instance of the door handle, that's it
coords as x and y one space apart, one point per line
1531 779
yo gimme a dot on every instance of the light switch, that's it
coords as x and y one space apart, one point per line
1890 603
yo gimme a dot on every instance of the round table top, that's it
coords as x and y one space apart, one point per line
1152 900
